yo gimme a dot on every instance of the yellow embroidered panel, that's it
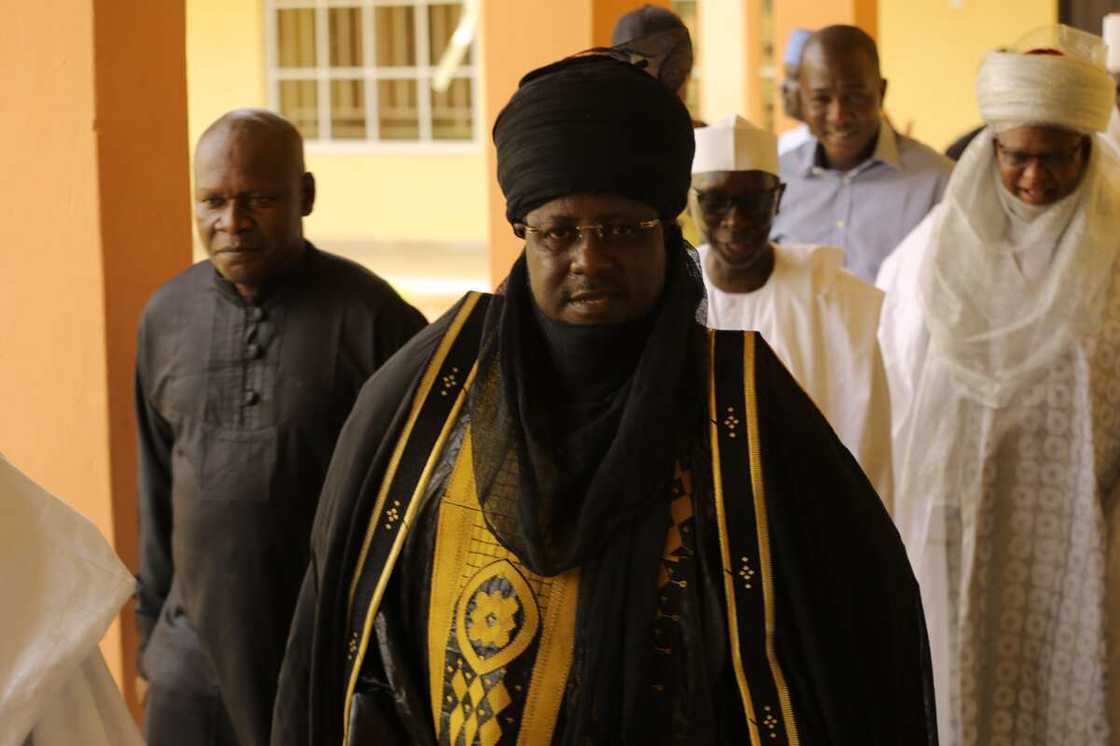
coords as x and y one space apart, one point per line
500 638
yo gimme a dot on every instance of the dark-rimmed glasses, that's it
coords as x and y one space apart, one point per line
558 238
757 206
1018 159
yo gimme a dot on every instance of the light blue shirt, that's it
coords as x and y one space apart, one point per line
868 210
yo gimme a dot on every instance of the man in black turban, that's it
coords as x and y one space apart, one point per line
569 514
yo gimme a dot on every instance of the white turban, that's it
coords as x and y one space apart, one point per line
734 144
1071 90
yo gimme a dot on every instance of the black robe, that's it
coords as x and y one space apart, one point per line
850 631
239 406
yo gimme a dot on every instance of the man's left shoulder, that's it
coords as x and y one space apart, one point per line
346 275
353 283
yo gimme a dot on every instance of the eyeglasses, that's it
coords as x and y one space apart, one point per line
1019 159
559 238
757 206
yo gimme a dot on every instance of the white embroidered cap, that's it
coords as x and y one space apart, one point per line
734 144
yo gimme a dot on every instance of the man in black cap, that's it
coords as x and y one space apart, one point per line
569 514
659 35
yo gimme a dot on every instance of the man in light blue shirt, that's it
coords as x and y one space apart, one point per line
857 183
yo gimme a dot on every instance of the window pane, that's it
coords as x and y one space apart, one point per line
395 29
299 104
346 37
295 37
452 112
442 22
396 110
348 110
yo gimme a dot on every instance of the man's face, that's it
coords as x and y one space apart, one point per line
594 277
735 211
1040 165
841 98
250 198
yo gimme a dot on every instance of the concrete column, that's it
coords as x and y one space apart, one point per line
518 36
93 135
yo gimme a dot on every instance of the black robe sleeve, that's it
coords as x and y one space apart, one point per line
309 702
156 568
859 658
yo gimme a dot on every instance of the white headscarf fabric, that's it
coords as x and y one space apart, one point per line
992 324
734 144
63 586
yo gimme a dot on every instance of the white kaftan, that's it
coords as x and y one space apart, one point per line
821 321
1006 511
62 586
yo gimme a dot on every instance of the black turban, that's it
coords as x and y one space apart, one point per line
593 125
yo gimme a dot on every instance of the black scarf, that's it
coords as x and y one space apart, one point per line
567 480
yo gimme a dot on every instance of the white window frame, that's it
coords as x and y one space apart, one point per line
371 74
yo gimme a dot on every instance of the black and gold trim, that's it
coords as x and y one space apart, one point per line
439 397
745 538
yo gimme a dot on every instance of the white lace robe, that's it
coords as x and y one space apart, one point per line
1017 575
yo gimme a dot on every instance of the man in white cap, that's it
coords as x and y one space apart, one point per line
820 319
63 586
1001 336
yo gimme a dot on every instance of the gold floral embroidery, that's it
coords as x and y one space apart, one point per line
492 620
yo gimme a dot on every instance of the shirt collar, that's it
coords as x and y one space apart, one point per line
886 152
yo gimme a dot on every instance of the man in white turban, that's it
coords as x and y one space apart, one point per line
1001 336
63 586
820 319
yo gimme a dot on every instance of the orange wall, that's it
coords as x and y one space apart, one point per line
145 220
52 323
93 146
514 42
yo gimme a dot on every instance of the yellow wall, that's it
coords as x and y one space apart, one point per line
423 197
728 84
931 52
362 196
